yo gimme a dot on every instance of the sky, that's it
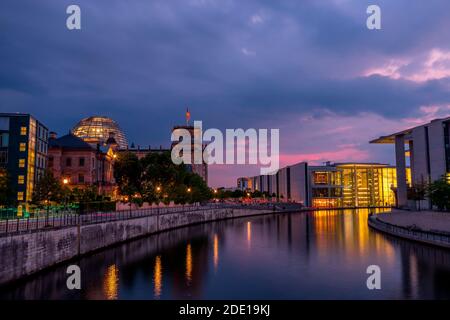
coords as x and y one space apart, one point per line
309 68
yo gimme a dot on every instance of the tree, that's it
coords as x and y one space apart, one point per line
6 192
47 190
439 194
417 193
127 173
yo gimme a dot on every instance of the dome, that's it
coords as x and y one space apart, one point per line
98 130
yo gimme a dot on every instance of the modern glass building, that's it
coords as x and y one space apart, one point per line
338 185
97 130
23 152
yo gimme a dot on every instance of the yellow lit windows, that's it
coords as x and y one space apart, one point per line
20 196
21 163
23 131
21 179
22 147
320 178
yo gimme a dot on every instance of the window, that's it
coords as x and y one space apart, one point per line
68 162
4 139
21 179
23 131
50 162
320 192
320 178
21 163
81 162
20 196
80 178
22 147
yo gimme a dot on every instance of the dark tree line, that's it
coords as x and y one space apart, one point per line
155 179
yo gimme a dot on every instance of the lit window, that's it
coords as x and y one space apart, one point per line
22 146
21 179
23 131
20 196
21 163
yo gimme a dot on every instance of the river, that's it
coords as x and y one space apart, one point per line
305 255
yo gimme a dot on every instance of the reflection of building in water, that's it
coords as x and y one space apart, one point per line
335 185
111 282
157 277
216 251
188 263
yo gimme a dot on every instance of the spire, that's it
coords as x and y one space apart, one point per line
188 116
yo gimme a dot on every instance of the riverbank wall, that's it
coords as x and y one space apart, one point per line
23 254
440 239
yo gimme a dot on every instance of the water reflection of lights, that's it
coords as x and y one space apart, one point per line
249 232
189 263
216 251
111 282
157 277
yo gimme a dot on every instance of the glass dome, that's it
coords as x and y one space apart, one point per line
98 129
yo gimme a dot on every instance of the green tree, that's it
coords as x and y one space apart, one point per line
439 194
6 192
47 190
127 173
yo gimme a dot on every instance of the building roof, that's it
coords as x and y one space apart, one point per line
390 139
69 141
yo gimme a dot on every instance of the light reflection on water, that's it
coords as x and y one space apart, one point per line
315 255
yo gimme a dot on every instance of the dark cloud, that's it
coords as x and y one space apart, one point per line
235 63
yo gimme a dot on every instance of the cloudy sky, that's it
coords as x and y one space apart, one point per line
310 68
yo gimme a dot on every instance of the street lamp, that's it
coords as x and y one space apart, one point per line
188 189
65 181
158 188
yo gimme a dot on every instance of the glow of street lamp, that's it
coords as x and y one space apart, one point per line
188 189
158 188
65 181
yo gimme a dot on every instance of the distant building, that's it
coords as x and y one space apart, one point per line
142 152
200 169
79 164
244 183
97 130
426 148
23 152
332 185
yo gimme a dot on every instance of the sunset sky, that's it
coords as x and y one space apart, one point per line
309 68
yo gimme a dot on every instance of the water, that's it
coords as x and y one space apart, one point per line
316 255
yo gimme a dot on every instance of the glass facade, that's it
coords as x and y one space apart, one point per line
98 129
355 185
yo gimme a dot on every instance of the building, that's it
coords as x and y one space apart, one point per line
23 152
79 164
244 183
98 129
142 152
427 150
199 168
337 185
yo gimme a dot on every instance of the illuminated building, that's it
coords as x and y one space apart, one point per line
23 152
97 130
244 183
199 168
339 185
80 164
427 150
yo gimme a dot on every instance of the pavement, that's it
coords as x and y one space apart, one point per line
424 220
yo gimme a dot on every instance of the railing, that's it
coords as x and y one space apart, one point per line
46 222
411 233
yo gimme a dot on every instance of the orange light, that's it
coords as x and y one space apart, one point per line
65 181
188 189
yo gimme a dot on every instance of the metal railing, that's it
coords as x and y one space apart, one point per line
61 220
411 233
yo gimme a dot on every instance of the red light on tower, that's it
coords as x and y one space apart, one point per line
188 116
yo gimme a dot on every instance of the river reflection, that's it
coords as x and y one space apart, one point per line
315 255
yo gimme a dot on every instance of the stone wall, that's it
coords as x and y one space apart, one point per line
24 254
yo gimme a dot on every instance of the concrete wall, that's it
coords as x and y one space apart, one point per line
437 150
298 183
25 254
